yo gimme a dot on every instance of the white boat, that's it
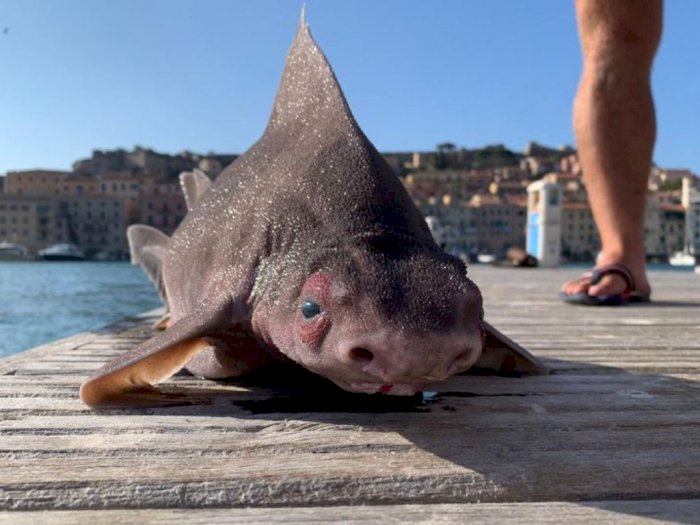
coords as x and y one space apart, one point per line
485 258
682 259
10 251
62 252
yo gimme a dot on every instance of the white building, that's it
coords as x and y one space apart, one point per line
691 203
544 221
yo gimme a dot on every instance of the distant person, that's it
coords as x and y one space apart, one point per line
615 130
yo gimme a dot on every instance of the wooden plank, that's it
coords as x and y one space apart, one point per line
620 419
608 512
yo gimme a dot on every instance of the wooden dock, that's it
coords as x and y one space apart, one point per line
612 435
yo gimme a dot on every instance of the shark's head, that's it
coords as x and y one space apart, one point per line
380 315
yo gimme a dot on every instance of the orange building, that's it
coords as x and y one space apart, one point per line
26 220
36 183
162 205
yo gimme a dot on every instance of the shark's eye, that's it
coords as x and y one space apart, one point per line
310 309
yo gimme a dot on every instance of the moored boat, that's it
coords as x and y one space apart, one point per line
485 258
10 251
62 252
682 259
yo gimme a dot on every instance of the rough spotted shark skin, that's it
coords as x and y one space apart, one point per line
307 246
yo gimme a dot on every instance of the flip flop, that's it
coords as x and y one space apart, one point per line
629 295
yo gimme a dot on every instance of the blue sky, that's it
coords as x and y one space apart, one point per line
201 75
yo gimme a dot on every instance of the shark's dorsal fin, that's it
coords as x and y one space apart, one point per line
147 247
194 185
309 92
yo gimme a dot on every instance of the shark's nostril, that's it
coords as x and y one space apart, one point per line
361 355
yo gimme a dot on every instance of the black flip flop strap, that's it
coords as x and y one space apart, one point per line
618 269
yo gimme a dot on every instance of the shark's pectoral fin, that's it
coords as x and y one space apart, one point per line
194 185
162 323
503 355
147 247
129 379
133 384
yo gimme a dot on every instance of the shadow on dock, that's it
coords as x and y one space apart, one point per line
593 434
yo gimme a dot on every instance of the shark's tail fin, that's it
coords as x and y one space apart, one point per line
194 185
147 247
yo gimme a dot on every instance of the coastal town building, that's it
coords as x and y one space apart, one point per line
97 224
691 205
36 183
579 236
664 226
476 199
146 162
30 221
672 221
499 222
454 224
162 205
78 185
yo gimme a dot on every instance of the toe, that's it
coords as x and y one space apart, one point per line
576 286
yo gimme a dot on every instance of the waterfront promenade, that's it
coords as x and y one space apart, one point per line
612 435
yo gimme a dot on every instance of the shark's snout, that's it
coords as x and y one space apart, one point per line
388 358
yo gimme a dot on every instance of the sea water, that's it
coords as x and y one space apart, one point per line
44 301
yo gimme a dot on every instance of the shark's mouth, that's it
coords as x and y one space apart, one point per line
393 389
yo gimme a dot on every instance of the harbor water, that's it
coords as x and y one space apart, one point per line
44 301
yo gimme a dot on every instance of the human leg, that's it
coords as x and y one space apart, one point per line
615 129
